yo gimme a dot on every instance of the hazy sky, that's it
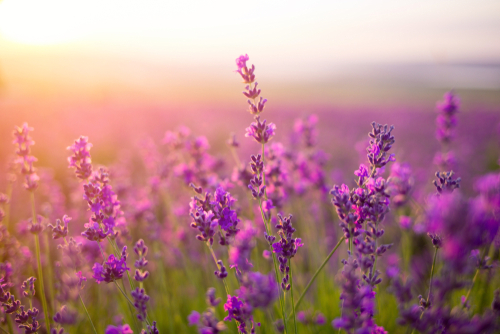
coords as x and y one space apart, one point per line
51 46
291 33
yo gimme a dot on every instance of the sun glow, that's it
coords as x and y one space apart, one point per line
42 22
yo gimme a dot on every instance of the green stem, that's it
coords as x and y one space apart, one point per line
51 292
218 267
9 324
40 271
470 289
6 218
4 331
311 281
430 284
291 291
432 274
87 312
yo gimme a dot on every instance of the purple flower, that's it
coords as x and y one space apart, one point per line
405 222
286 248
142 250
208 213
380 143
357 302
258 290
80 160
211 300
60 231
112 269
122 329
446 182
81 280
241 61
307 130
238 311
401 183
94 232
193 318
140 300
362 173
23 141
28 287
246 73
65 316
244 243
260 131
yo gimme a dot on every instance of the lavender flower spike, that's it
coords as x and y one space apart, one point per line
80 159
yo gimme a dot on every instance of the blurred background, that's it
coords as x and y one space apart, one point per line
119 70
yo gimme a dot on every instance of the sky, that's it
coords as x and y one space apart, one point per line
196 42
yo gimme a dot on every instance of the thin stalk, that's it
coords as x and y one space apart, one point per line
291 292
4 331
87 312
470 289
51 292
432 274
6 218
85 308
40 271
9 324
430 284
311 281
218 267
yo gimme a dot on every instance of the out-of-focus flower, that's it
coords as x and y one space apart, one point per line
122 329
23 142
81 160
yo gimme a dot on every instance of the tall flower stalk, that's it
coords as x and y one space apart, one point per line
261 132
23 142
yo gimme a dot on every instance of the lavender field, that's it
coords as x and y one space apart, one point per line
324 224
297 167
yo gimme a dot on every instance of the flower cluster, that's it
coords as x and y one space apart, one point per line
252 93
357 302
112 269
208 214
286 248
25 318
103 204
445 133
260 131
81 160
23 141
60 231
401 183
141 250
